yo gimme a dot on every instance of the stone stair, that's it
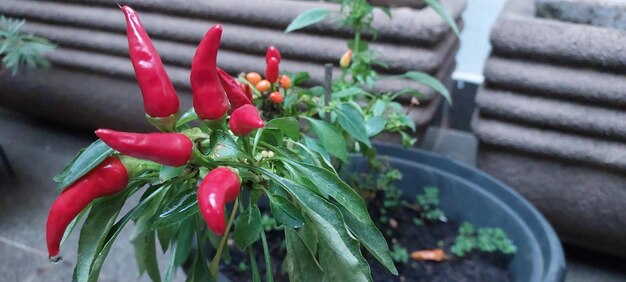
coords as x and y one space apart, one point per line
93 48
552 122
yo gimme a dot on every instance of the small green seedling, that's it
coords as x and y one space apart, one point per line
429 205
399 254
483 239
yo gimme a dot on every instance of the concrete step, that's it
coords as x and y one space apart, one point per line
566 82
558 115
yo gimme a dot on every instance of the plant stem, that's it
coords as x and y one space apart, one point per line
215 263
266 253
357 42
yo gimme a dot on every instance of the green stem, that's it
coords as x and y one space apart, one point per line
357 42
266 253
215 263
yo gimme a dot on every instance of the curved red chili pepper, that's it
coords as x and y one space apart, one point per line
245 119
159 97
271 71
172 149
235 94
248 90
108 178
219 187
272 52
209 99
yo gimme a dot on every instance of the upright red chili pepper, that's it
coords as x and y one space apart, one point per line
235 94
244 120
219 187
159 97
248 90
271 71
172 149
272 52
108 178
209 99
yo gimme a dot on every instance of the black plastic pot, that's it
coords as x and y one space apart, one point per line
470 194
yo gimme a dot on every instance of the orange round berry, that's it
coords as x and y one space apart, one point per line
263 85
277 97
285 82
253 77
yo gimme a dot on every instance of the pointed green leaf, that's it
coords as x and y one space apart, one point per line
352 122
288 125
330 138
431 82
443 14
307 18
375 125
305 267
285 212
91 157
248 227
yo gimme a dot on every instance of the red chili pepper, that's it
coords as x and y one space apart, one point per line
235 94
248 90
172 149
219 187
245 119
209 99
159 97
271 71
272 52
108 178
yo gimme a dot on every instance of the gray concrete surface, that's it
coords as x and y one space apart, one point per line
594 12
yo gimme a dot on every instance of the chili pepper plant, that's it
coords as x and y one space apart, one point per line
200 178
356 112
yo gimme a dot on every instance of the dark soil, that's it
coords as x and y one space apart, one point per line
277 250
430 235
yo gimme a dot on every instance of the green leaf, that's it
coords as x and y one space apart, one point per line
408 121
300 78
431 82
344 261
145 254
184 241
225 147
353 209
82 164
379 107
375 125
179 208
117 228
316 147
165 237
288 125
352 121
305 267
93 234
307 18
443 14
272 136
285 212
330 138
348 92
248 227
187 117
169 172
371 238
